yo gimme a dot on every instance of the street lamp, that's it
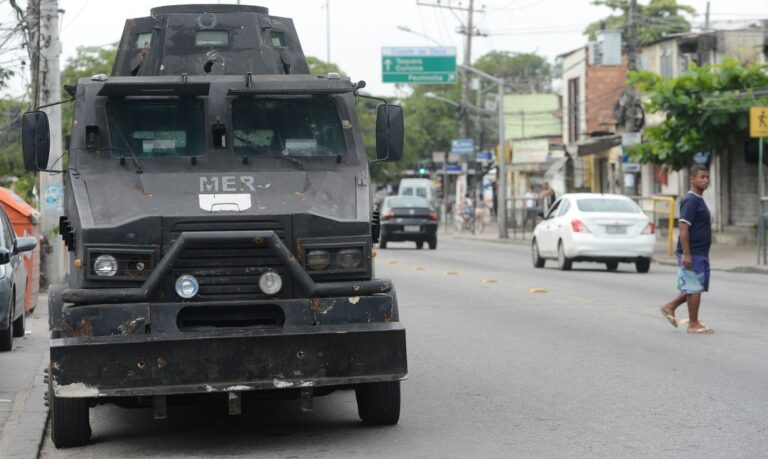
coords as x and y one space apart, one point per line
502 144
408 29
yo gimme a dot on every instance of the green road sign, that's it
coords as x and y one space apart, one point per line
419 65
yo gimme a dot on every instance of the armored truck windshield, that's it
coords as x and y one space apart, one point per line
291 127
156 128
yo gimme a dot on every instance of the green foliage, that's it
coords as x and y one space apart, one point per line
706 109
5 75
88 61
524 73
655 20
321 67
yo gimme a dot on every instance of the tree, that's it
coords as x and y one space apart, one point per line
321 67
705 110
88 61
524 73
655 20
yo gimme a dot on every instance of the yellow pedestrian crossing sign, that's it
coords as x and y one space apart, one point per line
758 121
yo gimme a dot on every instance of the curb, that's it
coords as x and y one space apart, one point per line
734 269
30 432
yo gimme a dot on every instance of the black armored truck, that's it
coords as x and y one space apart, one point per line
219 227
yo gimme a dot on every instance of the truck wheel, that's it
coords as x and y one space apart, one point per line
6 336
419 245
18 325
612 265
433 243
70 425
378 404
643 265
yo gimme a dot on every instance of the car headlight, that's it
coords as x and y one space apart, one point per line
187 286
349 258
105 266
318 260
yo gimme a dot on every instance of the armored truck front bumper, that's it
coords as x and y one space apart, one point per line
147 349
125 342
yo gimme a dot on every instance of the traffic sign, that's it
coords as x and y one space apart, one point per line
418 65
484 156
758 121
462 146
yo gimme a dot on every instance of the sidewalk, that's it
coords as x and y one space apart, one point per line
740 259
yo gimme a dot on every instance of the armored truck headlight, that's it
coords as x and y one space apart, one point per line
318 260
105 266
349 258
270 283
187 286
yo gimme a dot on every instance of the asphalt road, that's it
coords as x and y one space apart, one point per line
587 367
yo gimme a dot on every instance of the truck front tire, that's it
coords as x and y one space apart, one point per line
70 425
378 404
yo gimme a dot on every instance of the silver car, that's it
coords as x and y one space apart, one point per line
13 282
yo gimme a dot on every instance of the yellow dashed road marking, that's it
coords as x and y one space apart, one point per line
451 273
539 290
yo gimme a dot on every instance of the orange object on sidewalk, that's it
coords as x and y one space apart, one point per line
26 222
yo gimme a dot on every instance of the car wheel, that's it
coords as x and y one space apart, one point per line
612 265
6 336
382 243
433 243
643 265
70 425
378 404
538 262
419 245
18 326
563 262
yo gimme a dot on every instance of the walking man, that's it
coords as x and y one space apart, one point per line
693 252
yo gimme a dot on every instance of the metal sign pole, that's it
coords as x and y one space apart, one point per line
761 194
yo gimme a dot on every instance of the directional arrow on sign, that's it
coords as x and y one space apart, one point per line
388 64
451 77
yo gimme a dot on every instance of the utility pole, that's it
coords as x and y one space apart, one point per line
463 128
47 80
629 121
706 19
469 31
328 31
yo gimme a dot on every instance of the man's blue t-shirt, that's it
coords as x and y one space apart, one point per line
694 212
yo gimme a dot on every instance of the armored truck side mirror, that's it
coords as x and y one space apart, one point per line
5 256
35 140
389 132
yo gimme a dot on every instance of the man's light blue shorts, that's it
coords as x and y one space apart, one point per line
694 280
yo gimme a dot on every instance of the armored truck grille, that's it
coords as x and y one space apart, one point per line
229 270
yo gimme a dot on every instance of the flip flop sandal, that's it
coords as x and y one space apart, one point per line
669 317
701 331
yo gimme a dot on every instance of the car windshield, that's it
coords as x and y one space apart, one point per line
156 128
608 205
404 201
290 127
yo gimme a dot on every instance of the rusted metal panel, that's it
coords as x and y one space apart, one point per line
313 356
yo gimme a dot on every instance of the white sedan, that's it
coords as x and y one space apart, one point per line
603 228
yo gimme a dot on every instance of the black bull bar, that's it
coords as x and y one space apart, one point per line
257 238
226 360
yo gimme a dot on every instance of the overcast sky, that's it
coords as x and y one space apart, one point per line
360 28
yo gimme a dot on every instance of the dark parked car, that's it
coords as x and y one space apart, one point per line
407 218
13 282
